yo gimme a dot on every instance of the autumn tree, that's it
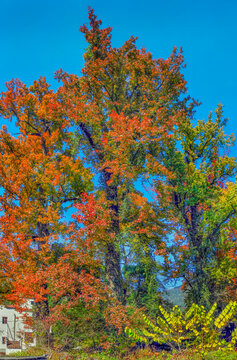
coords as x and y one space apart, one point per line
38 178
43 168
124 101
224 269
118 121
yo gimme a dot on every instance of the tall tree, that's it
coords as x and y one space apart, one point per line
123 101
112 121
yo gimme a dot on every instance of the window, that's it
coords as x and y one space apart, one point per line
4 320
4 340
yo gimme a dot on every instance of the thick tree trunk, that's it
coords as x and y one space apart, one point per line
199 290
113 272
200 278
112 256
42 232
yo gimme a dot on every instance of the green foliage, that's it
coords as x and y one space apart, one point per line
31 351
144 286
82 327
199 201
196 328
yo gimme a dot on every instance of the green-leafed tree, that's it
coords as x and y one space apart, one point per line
201 200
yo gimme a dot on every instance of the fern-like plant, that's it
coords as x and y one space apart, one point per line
196 328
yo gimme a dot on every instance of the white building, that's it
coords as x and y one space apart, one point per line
15 335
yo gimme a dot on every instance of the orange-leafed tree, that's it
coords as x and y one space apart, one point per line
225 271
123 102
112 122
38 178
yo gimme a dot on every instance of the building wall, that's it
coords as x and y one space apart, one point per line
15 335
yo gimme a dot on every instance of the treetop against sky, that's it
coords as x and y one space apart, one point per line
39 38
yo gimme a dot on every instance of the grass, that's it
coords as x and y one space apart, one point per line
145 354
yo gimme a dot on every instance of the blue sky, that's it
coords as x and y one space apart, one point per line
39 37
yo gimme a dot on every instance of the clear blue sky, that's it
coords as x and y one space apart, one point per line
40 36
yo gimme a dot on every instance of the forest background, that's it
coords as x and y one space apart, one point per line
200 219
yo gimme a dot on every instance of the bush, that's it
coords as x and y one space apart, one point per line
195 328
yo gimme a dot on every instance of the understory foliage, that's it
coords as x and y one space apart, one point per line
78 233
195 328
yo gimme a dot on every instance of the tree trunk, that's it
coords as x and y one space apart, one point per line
112 255
200 291
42 232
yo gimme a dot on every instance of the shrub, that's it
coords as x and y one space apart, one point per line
196 328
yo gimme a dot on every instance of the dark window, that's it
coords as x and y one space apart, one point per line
4 340
4 320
